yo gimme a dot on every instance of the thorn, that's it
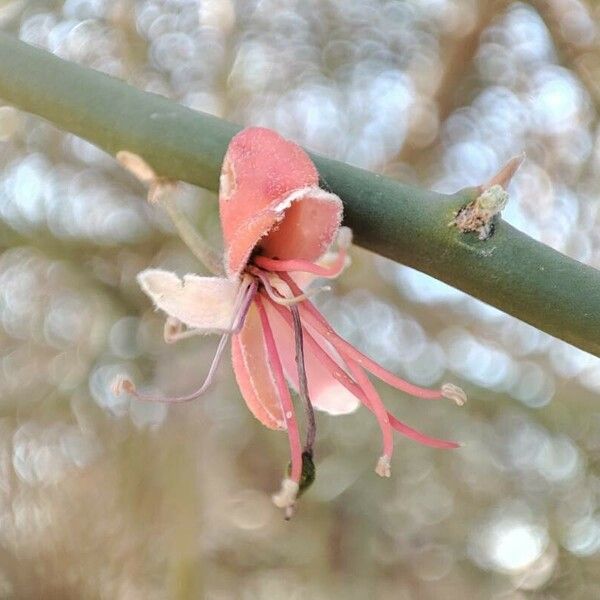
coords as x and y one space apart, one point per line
506 173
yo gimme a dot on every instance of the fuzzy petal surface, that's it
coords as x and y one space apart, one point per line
269 197
204 303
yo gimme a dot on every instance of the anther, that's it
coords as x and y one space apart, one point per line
286 496
384 467
454 393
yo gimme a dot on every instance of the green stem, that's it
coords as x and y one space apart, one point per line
510 270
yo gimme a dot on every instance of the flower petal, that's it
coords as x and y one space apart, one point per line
326 392
204 303
269 195
253 372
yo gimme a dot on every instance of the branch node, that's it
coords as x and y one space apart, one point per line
478 216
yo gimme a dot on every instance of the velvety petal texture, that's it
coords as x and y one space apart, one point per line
269 198
203 303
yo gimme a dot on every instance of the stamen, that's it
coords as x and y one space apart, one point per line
383 466
342 377
455 393
287 408
290 491
276 297
276 265
126 385
420 437
311 424
316 320
286 497
242 304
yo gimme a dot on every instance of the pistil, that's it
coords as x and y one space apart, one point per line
311 424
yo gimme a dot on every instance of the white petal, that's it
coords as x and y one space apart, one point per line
204 303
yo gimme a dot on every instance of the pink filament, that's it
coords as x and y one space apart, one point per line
277 266
373 403
284 394
376 404
421 438
316 320
343 378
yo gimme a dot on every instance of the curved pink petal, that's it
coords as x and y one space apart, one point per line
253 372
269 196
204 303
312 219
326 392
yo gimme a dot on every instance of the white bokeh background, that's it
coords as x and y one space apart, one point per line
101 496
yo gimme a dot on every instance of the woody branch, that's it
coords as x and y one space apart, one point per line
510 270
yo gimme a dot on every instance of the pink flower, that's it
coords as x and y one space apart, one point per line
278 225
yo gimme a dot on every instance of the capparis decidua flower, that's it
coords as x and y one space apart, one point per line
278 226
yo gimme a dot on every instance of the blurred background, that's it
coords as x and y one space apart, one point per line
108 497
